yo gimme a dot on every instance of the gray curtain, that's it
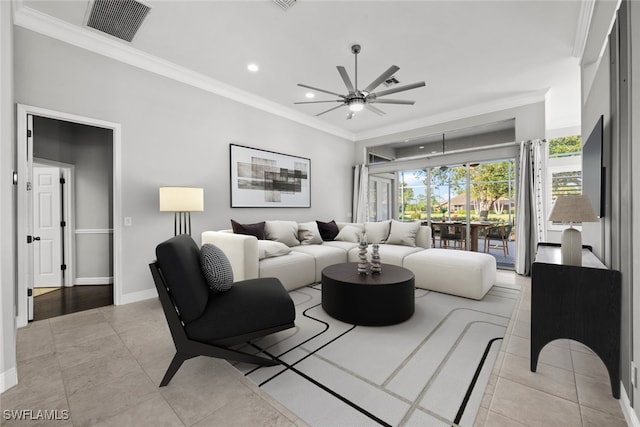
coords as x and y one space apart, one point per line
360 207
530 213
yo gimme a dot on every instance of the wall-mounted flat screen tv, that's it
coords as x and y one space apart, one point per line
593 169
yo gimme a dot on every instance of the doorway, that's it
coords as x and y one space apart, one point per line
76 162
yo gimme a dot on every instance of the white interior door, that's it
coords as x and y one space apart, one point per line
47 232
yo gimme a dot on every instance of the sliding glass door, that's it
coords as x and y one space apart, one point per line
474 200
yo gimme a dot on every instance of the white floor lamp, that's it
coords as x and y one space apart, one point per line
182 201
572 209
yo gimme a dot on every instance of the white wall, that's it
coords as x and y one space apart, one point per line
592 108
529 124
8 372
174 134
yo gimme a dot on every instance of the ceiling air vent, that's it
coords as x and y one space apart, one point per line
119 18
391 81
285 4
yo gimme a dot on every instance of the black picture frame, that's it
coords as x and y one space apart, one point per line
267 179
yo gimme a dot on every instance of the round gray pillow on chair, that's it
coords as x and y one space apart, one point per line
216 267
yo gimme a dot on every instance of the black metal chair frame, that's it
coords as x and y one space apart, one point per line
187 348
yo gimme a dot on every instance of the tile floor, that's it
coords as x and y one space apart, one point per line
104 365
570 388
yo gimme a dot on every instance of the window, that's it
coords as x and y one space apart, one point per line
564 170
412 195
380 198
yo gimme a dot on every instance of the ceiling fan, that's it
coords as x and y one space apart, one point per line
359 99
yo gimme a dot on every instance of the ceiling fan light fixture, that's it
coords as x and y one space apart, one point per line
356 104
357 99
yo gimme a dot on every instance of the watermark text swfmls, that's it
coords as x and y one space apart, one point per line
36 414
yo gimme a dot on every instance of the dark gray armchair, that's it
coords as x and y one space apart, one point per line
205 322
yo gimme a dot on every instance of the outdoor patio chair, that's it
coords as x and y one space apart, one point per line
456 233
499 233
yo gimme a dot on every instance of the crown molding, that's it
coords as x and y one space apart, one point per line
582 30
462 113
49 26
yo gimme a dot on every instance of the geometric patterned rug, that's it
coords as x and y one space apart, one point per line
431 370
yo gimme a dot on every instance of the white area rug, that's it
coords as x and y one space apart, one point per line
431 370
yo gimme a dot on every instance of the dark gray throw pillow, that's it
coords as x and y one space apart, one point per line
256 229
216 267
328 230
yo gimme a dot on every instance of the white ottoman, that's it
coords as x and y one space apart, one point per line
463 273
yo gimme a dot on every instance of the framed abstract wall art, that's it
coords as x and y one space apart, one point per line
261 178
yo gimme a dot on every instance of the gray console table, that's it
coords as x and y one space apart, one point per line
579 303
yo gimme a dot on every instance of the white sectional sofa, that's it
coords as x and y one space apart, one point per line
296 254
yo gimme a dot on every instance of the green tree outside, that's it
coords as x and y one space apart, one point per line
489 182
568 145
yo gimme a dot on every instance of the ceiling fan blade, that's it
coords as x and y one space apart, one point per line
317 102
384 76
398 89
390 101
346 79
330 109
375 109
321 90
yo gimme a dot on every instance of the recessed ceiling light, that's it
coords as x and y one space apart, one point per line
421 147
310 95
253 68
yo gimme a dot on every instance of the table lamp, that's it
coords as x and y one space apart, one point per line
570 209
182 201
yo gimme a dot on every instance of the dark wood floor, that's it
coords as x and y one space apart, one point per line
71 299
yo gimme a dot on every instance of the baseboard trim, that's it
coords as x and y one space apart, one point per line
138 296
8 379
93 281
629 414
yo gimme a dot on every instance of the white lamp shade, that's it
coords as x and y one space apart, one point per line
181 199
572 208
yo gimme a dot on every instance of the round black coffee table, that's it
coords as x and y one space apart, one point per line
372 300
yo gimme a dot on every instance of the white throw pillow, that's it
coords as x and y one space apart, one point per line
349 233
403 233
376 232
358 225
308 233
271 248
282 231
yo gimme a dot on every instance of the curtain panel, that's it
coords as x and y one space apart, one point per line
360 206
531 222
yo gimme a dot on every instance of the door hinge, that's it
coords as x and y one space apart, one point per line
63 224
28 186
29 292
63 181
29 133
63 267
634 374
